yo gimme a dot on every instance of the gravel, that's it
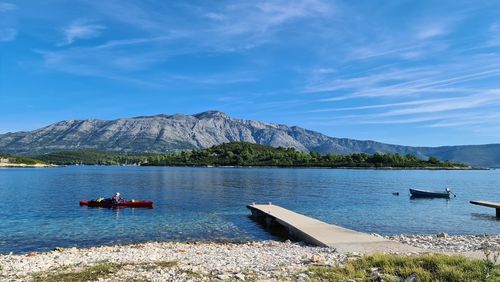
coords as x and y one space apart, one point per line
203 261
450 243
266 260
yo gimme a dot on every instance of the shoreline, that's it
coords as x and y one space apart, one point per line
270 260
11 165
199 261
347 167
436 242
294 167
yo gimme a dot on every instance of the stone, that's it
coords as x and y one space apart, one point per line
442 235
240 276
223 276
315 258
265 260
375 274
411 278
302 277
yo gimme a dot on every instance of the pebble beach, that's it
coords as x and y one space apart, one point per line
267 260
173 261
454 243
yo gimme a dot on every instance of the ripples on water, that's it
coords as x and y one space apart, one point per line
39 207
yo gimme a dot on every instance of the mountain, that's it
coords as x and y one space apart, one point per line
168 133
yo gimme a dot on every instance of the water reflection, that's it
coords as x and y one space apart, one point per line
413 198
210 203
481 216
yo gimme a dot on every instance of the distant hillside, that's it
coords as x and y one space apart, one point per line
248 154
91 157
173 133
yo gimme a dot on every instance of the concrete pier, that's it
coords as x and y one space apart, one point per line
494 205
319 233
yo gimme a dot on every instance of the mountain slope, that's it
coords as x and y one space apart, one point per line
167 133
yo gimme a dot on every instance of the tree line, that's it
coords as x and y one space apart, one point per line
20 160
246 154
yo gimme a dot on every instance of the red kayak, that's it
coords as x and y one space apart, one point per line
130 204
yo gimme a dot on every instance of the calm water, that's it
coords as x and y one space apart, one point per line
39 207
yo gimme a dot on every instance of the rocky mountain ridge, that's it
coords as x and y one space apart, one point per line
169 133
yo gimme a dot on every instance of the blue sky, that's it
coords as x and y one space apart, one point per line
406 72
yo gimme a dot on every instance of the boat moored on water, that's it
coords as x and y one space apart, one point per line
110 204
416 193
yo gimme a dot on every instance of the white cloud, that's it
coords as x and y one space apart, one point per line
219 28
231 26
451 93
5 7
460 121
365 82
80 30
494 35
400 82
324 71
488 98
380 106
215 16
431 31
476 109
7 34
495 28
215 79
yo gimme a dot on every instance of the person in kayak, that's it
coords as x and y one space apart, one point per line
117 198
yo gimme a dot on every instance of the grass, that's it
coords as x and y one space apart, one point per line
90 273
434 268
95 272
193 274
165 264
158 264
140 279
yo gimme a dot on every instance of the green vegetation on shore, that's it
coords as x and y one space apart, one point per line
99 271
91 157
91 273
403 268
247 154
381 267
20 160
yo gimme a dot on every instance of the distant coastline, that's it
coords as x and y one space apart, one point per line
239 154
9 165
278 167
10 161
344 167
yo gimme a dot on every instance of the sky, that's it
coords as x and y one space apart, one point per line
421 73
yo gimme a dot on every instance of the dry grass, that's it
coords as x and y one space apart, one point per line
398 268
95 272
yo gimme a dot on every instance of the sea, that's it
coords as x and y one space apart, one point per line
39 207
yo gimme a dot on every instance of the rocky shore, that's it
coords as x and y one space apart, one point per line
172 261
268 260
12 165
450 243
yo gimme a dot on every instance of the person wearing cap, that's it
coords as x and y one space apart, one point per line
116 198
